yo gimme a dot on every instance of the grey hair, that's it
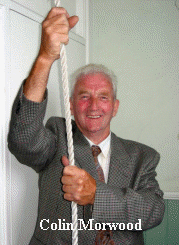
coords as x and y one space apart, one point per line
93 69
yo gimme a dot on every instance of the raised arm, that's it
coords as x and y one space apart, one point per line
55 29
28 139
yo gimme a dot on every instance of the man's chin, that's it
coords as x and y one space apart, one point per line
94 130
97 132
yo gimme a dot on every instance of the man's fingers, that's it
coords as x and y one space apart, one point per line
72 171
67 180
73 20
65 161
69 189
57 11
68 197
62 19
57 21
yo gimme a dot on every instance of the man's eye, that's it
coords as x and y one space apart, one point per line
84 97
104 97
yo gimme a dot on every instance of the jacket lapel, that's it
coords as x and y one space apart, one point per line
121 167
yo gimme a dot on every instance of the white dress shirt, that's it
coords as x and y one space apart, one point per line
104 156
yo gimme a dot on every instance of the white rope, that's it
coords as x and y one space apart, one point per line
68 131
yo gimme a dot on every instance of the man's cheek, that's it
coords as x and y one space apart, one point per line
82 107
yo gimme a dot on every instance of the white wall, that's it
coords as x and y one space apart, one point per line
20 29
139 40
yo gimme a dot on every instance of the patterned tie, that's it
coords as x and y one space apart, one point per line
103 237
96 151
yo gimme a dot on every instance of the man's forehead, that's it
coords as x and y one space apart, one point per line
103 91
83 87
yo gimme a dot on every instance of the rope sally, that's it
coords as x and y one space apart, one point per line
68 131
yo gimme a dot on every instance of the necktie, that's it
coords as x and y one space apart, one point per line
103 237
96 151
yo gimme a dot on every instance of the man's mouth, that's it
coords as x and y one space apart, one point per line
94 117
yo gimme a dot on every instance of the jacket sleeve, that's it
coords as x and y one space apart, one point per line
28 140
144 201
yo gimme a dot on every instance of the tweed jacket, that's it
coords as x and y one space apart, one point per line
131 193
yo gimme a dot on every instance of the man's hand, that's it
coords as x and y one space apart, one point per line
55 29
78 185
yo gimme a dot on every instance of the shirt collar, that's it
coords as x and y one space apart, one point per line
104 145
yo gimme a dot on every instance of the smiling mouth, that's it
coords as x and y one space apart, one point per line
94 117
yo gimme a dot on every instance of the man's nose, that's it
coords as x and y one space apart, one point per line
94 104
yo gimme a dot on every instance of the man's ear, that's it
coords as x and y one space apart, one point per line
71 106
116 106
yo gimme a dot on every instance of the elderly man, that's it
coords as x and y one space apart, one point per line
113 181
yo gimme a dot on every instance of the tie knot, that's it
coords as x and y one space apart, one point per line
95 150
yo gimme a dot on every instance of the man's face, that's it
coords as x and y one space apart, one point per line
93 105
